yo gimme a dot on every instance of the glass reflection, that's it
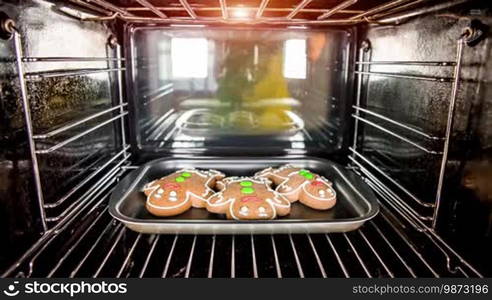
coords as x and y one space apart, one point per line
295 59
284 85
189 57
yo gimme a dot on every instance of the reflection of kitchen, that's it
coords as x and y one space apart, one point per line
243 85
252 94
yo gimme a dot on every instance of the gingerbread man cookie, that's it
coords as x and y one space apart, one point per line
176 193
295 184
246 198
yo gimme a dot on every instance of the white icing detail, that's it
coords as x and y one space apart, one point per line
149 203
234 179
231 212
244 210
321 193
160 191
293 173
194 171
207 184
155 188
283 185
269 172
261 209
226 181
149 186
274 215
286 203
219 202
211 175
333 194
264 172
221 186
291 192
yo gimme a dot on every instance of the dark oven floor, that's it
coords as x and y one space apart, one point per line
107 249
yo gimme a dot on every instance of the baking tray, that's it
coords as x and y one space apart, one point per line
355 201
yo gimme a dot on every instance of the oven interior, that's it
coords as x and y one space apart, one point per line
397 91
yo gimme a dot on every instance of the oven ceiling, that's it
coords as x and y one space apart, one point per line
329 12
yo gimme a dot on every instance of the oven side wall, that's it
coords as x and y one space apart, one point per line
54 103
465 212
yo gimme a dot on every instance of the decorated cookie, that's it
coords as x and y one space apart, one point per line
295 184
277 175
246 198
176 193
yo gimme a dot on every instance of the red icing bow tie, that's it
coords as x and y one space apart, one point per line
317 183
173 186
250 199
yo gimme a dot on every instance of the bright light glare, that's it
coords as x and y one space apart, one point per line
295 59
189 57
240 13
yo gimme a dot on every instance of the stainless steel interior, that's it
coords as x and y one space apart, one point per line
313 100
291 12
73 235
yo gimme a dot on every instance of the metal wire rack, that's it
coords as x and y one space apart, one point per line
361 114
50 213
343 12
103 247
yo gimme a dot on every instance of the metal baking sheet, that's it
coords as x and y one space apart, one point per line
355 201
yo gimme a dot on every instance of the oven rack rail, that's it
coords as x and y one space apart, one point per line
391 11
427 211
393 205
166 132
92 244
57 212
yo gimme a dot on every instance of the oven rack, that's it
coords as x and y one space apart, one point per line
58 211
158 94
390 11
418 224
99 246
425 211
162 130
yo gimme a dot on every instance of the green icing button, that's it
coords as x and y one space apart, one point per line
306 174
247 190
246 183
180 179
309 176
186 174
302 172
